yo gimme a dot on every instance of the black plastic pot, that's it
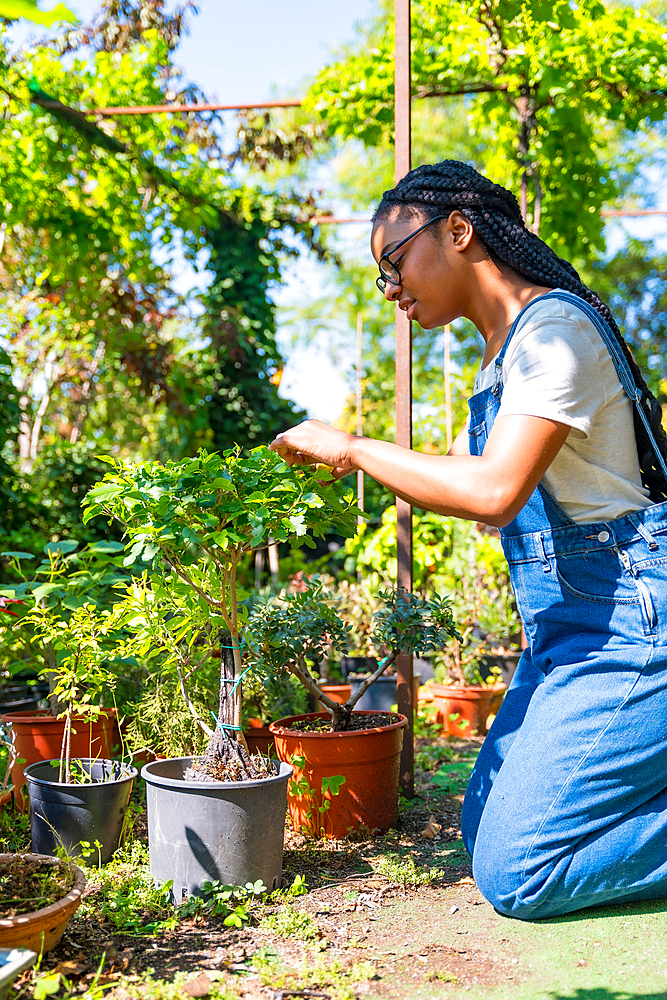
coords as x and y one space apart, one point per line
63 815
225 831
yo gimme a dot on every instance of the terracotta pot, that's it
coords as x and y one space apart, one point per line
340 693
258 737
42 929
368 759
471 707
39 736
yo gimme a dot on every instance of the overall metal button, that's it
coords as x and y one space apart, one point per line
604 536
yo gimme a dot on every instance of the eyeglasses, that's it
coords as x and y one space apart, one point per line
390 275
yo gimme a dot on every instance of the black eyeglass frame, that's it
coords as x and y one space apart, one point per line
384 279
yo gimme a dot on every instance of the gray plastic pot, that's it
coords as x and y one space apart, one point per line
225 831
63 815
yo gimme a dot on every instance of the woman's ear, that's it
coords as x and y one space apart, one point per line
460 230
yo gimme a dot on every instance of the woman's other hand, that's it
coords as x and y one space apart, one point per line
313 442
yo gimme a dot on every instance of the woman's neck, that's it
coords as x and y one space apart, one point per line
500 296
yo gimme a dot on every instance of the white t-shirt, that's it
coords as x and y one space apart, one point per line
557 366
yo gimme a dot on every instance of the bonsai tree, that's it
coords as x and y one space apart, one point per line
194 522
306 624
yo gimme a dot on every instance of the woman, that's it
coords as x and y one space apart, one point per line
567 805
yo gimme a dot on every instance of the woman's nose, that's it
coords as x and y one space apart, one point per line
392 292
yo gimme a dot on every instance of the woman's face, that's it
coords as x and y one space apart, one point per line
431 291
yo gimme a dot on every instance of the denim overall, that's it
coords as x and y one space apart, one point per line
567 804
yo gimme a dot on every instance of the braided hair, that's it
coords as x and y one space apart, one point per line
439 188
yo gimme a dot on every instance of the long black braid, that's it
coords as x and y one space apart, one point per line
439 188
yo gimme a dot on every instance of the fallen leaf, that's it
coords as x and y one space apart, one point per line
582 963
199 987
465 881
72 968
432 829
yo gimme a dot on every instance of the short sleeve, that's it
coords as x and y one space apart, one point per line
552 370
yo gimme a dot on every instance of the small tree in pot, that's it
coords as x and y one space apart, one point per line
306 625
195 521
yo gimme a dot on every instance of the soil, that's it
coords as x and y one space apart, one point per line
358 721
27 885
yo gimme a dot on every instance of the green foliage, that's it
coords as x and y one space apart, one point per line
291 923
96 221
551 86
124 892
31 11
411 624
232 903
404 871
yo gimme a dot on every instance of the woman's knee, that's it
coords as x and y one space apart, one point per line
501 876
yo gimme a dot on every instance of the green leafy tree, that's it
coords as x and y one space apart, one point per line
553 89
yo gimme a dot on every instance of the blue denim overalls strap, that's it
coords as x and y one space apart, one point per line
567 805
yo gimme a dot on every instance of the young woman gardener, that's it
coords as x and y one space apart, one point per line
567 805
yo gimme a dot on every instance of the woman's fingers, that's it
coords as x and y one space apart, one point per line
312 442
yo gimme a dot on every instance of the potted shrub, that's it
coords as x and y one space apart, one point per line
75 799
66 578
40 895
468 688
346 763
218 816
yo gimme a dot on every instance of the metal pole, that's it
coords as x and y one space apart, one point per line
402 151
360 416
448 386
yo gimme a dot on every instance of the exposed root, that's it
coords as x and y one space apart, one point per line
226 759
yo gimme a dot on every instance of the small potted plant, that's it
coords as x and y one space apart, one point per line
78 799
219 815
469 685
352 757
66 578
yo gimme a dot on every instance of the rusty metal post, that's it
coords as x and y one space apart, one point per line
402 151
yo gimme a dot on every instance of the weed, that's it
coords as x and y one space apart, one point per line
430 757
404 871
331 785
291 923
172 989
14 831
124 892
231 902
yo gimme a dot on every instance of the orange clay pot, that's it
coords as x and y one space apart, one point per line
258 737
368 759
42 929
39 736
471 707
340 693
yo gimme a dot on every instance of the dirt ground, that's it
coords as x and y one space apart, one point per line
367 928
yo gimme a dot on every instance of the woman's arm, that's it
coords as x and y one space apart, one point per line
492 487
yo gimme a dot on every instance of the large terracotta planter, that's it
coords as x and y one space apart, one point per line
368 759
463 711
42 929
39 736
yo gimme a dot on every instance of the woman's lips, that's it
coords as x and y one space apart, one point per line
411 310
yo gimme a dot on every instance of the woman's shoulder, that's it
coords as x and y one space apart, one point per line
556 321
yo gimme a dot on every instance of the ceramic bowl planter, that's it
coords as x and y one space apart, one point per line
368 760
63 815
463 711
225 831
42 929
38 736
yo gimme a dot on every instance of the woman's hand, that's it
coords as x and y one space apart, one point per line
312 442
